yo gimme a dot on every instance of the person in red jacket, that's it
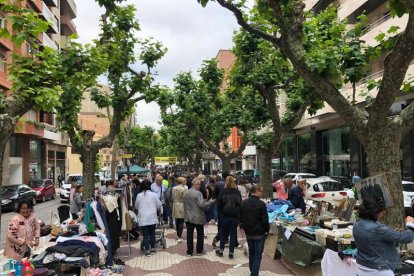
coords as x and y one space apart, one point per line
255 222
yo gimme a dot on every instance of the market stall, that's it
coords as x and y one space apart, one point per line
83 246
302 239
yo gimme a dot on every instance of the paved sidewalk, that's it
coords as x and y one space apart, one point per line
174 261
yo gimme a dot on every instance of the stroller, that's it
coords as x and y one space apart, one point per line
159 234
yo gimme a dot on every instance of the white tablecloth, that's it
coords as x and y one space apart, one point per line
332 265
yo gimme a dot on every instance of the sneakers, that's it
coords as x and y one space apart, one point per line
231 256
189 255
215 243
219 253
153 251
148 253
180 240
201 254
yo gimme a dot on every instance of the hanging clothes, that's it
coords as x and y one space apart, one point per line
102 213
113 217
98 217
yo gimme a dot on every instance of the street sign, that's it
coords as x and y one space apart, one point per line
127 156
165 159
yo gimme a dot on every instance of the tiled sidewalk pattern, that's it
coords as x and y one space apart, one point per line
174 261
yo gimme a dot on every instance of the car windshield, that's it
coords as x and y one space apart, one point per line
9 190
36 183
408 187
328 187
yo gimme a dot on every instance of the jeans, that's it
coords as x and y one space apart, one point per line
190 237
228 228
179 225
215 212
170 217
217 237
255 254
148 233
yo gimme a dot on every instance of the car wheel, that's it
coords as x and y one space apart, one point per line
44 198
34 201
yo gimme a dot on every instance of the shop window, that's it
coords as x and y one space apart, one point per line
336 152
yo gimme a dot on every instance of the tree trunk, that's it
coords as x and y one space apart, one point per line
225 164
88 158
383 155
114 158
265 169
6 129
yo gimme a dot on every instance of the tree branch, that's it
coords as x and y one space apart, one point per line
396 65
242 22
140 98
296 119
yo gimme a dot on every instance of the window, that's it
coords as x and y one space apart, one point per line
2 63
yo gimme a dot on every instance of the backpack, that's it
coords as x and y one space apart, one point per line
230 207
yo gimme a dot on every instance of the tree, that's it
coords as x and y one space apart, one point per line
112 55
203 108
32 74
255 76
325 54
140 142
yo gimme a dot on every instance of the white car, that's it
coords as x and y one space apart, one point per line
70 182
298 176
325 189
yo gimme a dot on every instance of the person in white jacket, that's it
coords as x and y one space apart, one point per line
148 205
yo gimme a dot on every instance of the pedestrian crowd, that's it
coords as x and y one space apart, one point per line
193 202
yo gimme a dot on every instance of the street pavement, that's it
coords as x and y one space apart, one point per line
42 210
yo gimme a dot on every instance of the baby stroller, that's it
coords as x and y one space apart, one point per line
159 234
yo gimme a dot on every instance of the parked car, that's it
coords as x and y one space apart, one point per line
325 189
13 194
346 182
71 181
45 189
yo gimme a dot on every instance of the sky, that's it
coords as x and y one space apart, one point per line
191 34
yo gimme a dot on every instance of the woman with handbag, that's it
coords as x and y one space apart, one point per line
229 202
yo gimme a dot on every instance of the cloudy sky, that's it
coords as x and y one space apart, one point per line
191 34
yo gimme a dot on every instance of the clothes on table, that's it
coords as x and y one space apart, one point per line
94 250
87 239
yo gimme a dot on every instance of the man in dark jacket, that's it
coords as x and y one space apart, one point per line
217 191
255 222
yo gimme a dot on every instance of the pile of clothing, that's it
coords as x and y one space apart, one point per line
278 209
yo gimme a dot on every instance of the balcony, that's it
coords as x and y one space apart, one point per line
37 5
51 3
383 25
6 43
68 7
348 7
50 17
47 41
67 26
27 128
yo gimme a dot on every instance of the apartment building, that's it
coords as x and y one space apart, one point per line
37 149
322 143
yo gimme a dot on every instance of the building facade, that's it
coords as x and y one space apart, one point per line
322 143
37 149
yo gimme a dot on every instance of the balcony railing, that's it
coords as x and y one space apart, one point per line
378 22
47 41
50 17
51 3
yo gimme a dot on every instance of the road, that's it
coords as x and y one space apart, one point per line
42 211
